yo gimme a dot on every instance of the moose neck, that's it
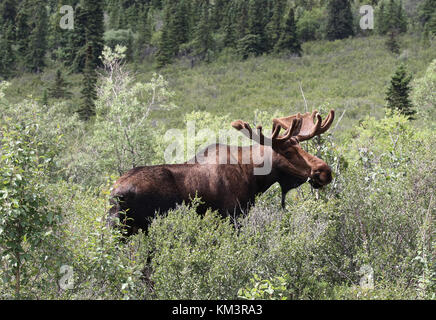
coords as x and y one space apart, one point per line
287 174
265 168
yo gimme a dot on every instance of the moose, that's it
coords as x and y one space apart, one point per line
229 188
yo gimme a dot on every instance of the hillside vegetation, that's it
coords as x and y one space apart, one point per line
368 235
79 107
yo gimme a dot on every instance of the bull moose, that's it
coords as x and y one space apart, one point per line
230 188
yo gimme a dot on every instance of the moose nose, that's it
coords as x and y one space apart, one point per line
321 176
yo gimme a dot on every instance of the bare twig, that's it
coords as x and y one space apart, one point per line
339 120
302 93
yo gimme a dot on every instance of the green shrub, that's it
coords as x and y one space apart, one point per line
27 218
424 94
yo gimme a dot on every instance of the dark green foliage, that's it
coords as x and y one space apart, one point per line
8 13
89 92
241 19
248 46
256 27
7 54
250 26
171 37
22 29
392 43
219 11
59 39
397 96
179 23
166 48
274 27
289 41
76 50
44 99
145 30
167 29
88 31
37 45
427 15
31 35
59 89
203 42
340 19
175 30
229 26
94 28
391 16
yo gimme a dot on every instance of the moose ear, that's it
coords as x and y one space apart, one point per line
238 124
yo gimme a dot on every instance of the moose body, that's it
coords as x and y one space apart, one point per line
221 177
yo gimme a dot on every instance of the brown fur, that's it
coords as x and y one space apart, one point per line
228 188
231 187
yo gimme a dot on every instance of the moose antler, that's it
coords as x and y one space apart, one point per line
305 129
259 137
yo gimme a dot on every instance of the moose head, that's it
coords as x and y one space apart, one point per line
288 156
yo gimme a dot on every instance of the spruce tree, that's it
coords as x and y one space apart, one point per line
218 13
179 24
22 26
381 25
144 32
113 8
391 17
88 31
37 46
427 16
274 27
89 92
167 44
7 54
241 16
252 39
8 13
58 38
392 43
229 26
339 19
59 88
94 29
289 40
76 50
400 20
54 34
256 24
397 95
203 41
165 52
